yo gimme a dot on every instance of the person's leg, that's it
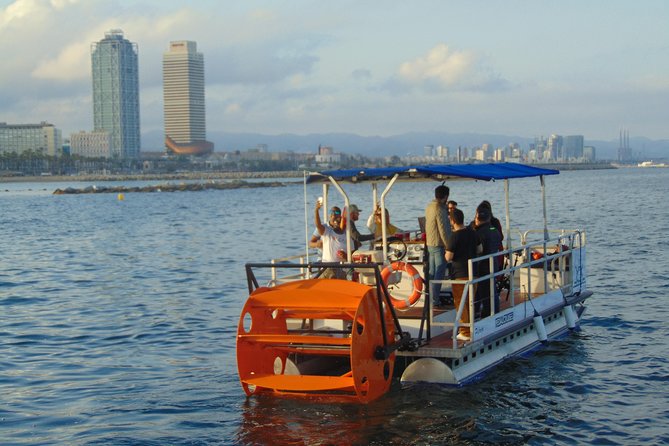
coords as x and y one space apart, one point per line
458 290
483 298
437 269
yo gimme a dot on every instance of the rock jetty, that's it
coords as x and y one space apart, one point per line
169 187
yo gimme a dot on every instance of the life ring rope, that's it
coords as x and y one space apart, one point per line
416 280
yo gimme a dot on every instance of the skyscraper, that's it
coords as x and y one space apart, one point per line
116 92
573 147
183 96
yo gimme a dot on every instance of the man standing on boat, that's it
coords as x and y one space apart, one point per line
437 233
352 215
463 245
491 239
334 240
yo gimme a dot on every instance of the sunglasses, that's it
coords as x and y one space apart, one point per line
335 212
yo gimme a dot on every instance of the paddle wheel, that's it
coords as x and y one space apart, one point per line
319 338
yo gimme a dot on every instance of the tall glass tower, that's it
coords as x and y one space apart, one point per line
116 92
183 95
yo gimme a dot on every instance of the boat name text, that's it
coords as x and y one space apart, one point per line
504 319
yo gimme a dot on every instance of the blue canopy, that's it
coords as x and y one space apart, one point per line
440 172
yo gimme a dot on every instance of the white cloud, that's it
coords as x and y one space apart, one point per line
440 64
17 11
72 63
448 70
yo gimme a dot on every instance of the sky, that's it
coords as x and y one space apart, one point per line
373 68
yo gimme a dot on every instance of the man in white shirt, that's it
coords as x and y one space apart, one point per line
333 238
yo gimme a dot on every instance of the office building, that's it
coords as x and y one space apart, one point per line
573 147
95 144
589 153
183 96
554 148
428 151
116 93
42 138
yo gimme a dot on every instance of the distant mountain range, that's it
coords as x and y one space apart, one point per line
400 145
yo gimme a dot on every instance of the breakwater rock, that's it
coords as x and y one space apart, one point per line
169 187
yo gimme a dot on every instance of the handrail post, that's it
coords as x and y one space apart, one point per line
472 298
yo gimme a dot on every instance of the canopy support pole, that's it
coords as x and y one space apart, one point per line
543 200
508 214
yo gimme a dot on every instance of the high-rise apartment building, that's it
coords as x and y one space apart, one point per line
116 93
183 95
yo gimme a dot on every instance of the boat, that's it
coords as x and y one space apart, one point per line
300 335
651 163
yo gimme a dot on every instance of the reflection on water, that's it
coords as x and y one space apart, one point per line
118 321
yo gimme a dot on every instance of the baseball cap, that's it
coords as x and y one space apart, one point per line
354 208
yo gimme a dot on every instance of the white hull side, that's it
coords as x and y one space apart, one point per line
480 356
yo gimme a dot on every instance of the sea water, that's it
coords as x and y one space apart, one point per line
118 320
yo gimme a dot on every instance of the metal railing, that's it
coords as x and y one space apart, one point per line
534 268
550 260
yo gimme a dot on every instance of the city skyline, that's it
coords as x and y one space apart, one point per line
515 68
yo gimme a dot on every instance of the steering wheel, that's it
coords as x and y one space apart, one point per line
397 249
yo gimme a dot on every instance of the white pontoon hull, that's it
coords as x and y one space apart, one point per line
444 365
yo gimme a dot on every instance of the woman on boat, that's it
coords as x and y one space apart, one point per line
374 224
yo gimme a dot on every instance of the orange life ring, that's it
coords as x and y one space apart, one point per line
401 304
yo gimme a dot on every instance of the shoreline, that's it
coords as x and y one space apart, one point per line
207 176
204 176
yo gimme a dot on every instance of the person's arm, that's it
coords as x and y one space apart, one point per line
450 245
370 222
443 225
366 237
317 218
316 242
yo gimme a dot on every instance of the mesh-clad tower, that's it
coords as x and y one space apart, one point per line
116 92
183 96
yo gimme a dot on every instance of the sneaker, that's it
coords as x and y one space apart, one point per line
463 337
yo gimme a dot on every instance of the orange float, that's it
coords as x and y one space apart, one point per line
417 282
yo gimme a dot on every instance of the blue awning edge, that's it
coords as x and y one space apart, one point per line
439 172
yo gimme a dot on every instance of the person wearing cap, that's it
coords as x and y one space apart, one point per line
333 238
351 217
491 240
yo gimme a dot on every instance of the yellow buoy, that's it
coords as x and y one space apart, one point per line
120 197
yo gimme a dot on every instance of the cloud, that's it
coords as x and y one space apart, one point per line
440 64
256 64
72 63
444 69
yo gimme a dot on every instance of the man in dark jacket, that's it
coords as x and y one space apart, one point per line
491 240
